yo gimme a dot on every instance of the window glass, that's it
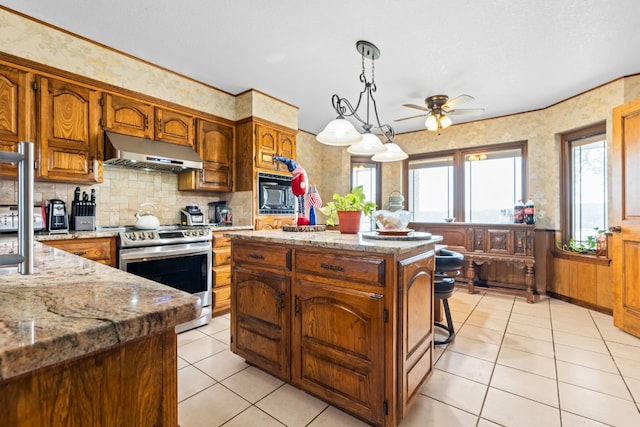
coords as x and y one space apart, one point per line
366 173
493 183
588 188
431 189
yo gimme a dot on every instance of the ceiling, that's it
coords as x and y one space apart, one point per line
511 55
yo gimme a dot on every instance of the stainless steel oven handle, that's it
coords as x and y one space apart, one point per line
165 251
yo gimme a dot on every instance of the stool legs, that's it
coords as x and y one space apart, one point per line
448 327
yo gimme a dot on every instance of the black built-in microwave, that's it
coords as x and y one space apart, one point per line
275 195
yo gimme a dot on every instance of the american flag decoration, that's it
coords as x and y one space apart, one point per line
313 199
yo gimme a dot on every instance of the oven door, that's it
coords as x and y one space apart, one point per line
186 266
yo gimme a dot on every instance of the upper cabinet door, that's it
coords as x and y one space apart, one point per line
69 132
15 113
127 116
271 142
172 126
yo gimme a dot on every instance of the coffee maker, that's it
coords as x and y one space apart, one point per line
220 214
57 220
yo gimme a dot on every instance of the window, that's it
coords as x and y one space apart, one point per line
584 183
472 185
366 172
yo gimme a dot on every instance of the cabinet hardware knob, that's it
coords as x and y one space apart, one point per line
331 267
256 256
615 229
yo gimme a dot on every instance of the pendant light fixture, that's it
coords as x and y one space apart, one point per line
340 132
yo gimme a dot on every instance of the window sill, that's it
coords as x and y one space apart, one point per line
586 258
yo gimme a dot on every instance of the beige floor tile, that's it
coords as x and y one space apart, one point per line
590 359
589 331
529 331
528 362
465 366
223 336
252 384
211 407
333 417
525 384
527 319
538 309
593 379
190 336
573 420
427 412
486 423
579 341
598 406
634 388
493 314
514 411
455 391
487 321
199 349
628 367
216 324
253 416
291 406
611 333
528 345
475 348
192 381
624 351
490 336
182 363
222 365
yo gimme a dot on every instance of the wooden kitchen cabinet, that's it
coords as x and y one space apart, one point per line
16 106
99 249
144 120
272 141
215 145
70 140
221 273
352 328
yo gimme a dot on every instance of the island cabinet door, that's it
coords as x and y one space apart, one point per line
338 347
415 358
260 329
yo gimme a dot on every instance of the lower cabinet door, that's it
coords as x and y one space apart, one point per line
338 351
260 330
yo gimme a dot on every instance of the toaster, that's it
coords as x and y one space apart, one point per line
9 218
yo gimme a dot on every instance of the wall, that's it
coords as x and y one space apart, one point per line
123 190
540 128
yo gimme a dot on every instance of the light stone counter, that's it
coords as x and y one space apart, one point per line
112 232
335 240
71 307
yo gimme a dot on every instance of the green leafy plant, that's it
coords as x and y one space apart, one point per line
588 246
354 201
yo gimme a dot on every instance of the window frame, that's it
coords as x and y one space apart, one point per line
459 194
566 172
378 174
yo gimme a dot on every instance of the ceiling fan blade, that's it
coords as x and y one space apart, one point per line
418 107
457 101
412 117
467 112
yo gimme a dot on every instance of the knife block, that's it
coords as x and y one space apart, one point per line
84 223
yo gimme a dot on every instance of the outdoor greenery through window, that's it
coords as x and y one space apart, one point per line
366 172
478 185
584 187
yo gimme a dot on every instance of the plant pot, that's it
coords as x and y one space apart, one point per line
349 221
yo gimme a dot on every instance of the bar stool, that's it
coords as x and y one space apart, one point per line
448 265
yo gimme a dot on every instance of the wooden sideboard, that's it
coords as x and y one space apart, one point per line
498 257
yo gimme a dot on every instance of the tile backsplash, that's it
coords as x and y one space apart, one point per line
124 190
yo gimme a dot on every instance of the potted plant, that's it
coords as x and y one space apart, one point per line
348 210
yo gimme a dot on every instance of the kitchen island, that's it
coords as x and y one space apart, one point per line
343 317
82 343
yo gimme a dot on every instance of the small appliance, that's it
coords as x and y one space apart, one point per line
191 215
215 212
9 218
57 220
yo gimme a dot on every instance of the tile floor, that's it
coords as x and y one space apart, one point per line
512 364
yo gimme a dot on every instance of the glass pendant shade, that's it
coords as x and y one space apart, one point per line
445 121
431 123
392 153
339 132
370 144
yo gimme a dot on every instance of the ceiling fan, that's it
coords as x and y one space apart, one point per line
438 109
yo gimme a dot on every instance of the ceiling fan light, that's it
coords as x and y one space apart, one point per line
370 144
339 132
431 123
392 153
445 121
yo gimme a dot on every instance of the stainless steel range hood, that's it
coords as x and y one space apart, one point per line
140 153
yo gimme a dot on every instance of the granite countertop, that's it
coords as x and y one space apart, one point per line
71 306
336 240
112 232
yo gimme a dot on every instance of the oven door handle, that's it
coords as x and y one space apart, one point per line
164 251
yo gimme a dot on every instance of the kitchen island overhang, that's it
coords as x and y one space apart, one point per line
347 319
78 334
